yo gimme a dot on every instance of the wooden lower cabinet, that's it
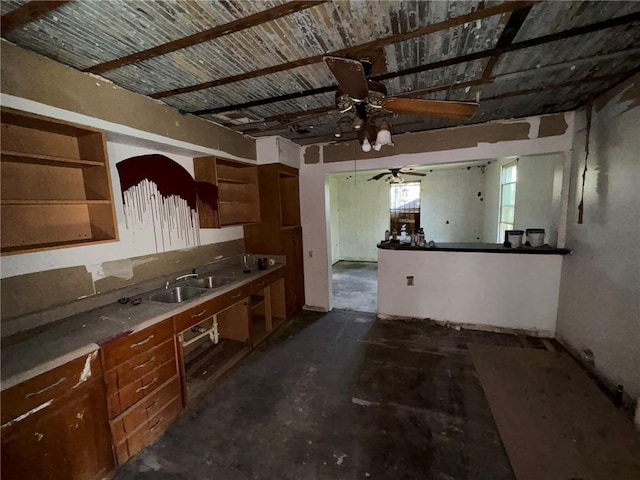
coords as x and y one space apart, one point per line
65 435
143 387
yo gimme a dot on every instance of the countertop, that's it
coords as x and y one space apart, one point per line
82 334
477 247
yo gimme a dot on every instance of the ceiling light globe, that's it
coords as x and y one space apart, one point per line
384 136
366 145
377 147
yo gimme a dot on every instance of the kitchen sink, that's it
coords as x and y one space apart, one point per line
211 282
177 294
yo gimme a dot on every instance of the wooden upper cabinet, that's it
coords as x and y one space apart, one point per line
227 192
56 187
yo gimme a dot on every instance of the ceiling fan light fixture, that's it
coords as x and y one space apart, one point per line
366 145
358 123
377 146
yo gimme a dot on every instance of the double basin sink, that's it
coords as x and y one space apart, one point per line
191 288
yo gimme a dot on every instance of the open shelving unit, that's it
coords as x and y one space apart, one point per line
55 185
238 200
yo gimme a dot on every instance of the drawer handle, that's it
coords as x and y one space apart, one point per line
142 342
151 406
261 283
236 295
157 423
33 394
199 314
138 390
144 364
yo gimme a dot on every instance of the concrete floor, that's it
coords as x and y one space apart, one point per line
340 396
355 286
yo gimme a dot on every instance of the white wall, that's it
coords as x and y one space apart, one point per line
363 215
315 214
599 305
335 219
451 195
538 195
490 289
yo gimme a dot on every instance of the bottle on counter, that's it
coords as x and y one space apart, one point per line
387 235
414 237
394 236
403 233
420 240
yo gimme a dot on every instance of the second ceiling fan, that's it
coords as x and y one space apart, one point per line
395 175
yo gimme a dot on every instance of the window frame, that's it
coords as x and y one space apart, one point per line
501 224
414 212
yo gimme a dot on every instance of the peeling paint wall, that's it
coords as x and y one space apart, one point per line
600 286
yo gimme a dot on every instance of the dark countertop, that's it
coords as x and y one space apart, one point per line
478 248
70 338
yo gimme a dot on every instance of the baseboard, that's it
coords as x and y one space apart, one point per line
313 308
473 326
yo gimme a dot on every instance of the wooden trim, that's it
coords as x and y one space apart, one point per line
211 34
357 51
28 12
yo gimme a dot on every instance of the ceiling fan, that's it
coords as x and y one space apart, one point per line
394 175
364 97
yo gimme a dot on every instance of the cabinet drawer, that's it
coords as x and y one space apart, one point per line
197 314
145 410
49 386
265 281
122 349
138 366
122 399
149 432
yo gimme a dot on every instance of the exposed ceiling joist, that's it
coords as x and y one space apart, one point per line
358 51
573 32
511 29
207 35
27 13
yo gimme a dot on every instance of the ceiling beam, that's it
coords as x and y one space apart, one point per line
511 29
449 86
573 32
358 51
618 77
533 42
207 35
27 13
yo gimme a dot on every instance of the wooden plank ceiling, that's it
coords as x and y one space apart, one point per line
257 67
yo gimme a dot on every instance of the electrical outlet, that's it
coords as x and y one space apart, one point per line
410 280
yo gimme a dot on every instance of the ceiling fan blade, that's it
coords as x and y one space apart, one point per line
436 108
379 176
414 173
349 75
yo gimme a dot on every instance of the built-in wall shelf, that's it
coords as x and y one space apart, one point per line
56 186
237 198
20 157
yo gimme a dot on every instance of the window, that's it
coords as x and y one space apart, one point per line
508 181
405 206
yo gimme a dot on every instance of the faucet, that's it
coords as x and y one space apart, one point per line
181 277
187 275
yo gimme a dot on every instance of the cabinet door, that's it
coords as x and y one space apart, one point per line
67 440
293 274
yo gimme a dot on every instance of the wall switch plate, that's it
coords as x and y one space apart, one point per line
410 280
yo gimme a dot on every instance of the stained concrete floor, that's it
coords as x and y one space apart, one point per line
340 396
355 286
